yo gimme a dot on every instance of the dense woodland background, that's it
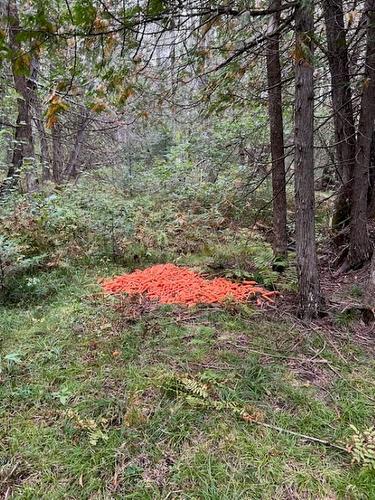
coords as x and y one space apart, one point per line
235 137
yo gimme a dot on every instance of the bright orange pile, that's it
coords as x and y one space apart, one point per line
170 284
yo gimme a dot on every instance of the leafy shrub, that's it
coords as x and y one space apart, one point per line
14 259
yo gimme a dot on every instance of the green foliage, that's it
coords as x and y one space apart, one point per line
10 254
14 259
156 7
9 362
195 393
182 384
63 395
95 429
362 447
347 317
84 13
96 220
356 291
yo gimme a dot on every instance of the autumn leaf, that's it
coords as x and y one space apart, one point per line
98 106
55 106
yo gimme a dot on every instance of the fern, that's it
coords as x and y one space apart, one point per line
184 385
96 430
196 394
194 387
362 447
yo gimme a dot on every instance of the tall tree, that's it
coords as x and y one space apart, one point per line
23 141
275 110
359 244
371 190
307 265
71 170
38 119
343 109
57 152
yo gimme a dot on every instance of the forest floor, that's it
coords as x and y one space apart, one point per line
93 401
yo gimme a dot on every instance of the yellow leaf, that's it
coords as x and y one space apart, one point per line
55 106
98 106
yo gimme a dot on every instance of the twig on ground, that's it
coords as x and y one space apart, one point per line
302 436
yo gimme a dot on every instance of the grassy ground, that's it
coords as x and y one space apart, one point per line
87 409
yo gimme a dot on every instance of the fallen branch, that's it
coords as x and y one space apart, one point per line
302 436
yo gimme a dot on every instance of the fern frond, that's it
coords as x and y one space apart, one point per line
184 385
362 447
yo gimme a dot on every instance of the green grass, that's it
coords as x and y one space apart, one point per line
66 347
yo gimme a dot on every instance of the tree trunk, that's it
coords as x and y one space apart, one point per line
44 147
39 123
342 106
327 177
31 178
369 296
359 244
307 265
71 170
23 143
57 160
280 241
371 190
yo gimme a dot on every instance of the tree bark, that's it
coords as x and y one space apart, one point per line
43 141
359 243
307 265
371 190
57 159
369 296
342 106
45 157
23 142
71 170
280 237
31 178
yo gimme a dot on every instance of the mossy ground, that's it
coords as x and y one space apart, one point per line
68 349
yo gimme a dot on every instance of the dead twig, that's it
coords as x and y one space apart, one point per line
299 435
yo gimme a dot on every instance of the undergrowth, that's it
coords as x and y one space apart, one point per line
103 398
76 225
